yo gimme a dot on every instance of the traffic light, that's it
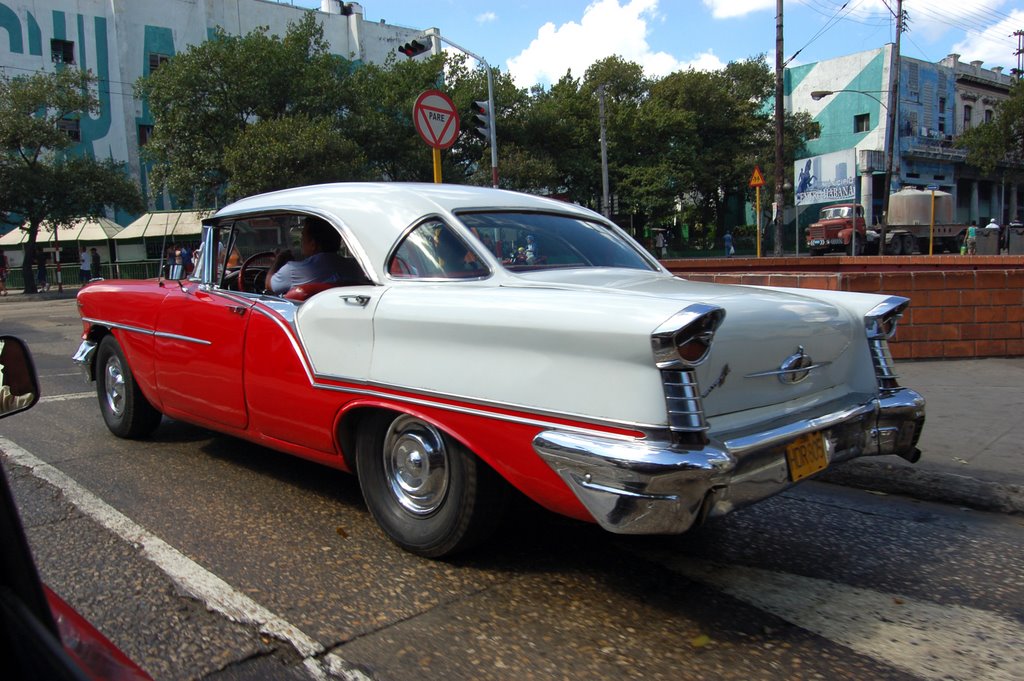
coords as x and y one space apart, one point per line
482 121
413 48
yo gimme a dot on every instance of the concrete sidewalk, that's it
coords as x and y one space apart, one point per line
972 446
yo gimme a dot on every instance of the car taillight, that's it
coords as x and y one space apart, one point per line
880 325
684 341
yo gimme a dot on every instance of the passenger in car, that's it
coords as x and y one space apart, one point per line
321 261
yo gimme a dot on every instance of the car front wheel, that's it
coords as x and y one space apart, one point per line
429 494
125 409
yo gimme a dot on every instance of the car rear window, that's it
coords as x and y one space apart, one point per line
525 241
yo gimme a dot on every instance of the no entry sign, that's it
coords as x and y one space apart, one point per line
435 119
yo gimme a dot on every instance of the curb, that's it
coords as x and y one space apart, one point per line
925 485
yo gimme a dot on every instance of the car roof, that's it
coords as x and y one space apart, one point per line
377 213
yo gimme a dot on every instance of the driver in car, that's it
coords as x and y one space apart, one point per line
321 261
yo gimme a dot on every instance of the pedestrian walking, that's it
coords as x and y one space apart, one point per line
661 243
84 265
971 242
729 249
94 263
42 285
4 264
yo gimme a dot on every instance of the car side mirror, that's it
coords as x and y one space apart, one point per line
19 384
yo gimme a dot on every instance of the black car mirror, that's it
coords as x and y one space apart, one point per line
19 384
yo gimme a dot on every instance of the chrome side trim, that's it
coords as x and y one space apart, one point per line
116 325
780 372
146 332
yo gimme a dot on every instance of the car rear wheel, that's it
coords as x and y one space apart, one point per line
125 409
429 494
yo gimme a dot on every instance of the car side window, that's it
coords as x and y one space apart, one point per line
433 251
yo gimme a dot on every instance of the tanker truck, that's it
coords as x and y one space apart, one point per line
908 229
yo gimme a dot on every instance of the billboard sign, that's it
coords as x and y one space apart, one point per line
826 179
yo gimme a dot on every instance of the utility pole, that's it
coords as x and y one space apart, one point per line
779 112
1019 53
606 206
894 105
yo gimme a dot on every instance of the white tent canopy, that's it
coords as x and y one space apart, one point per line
99 229
164 223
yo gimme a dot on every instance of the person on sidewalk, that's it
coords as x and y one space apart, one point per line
4 264
971 242
83 266
42 285
94 263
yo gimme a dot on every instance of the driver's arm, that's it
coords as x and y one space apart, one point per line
282 259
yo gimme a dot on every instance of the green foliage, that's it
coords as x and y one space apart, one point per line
244 114
40 178
291 152
204 100
1000 142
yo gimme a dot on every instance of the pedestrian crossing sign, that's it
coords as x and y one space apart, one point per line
757 179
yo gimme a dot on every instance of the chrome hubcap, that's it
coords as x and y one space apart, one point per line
114 386
416 465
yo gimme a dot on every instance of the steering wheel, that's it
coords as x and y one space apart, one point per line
247 278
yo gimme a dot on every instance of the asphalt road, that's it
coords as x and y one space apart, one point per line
202 556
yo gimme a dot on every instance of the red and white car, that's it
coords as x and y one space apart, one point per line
484 339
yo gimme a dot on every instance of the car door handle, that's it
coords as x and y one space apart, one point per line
361 301
238 309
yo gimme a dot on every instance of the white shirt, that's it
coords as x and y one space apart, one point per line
85 264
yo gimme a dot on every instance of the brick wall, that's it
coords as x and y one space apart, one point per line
961 309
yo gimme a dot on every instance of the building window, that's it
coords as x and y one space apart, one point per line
968 113
62 51
145 132
157 60
862 122
71 128
942 105
988 115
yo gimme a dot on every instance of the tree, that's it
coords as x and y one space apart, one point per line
221 101
1000 141
41 175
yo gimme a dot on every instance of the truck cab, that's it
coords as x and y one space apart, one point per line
834 230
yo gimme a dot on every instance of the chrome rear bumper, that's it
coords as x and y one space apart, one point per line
649 487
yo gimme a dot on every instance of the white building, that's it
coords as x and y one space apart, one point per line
122 40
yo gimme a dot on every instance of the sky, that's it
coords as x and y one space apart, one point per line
538 41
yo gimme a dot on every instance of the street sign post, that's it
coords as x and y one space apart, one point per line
757 181
931 226
437 122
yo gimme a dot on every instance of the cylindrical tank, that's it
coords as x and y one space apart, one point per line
914 207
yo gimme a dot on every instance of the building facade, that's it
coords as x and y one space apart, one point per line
850 97
123 40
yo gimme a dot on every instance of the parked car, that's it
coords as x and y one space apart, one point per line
41 636
482 340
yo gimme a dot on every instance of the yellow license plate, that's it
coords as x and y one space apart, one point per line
806 456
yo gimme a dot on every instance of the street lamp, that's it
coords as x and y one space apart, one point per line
818 95
433 33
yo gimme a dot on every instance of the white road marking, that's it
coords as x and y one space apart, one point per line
67 396
927 639
211 590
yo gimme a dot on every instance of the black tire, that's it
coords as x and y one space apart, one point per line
896 246
860 247
125 409
428 493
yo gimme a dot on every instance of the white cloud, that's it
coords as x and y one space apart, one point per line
728 9
608 27
486 18
995 46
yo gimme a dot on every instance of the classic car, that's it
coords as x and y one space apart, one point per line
481 340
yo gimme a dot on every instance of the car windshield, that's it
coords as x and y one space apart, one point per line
528 241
